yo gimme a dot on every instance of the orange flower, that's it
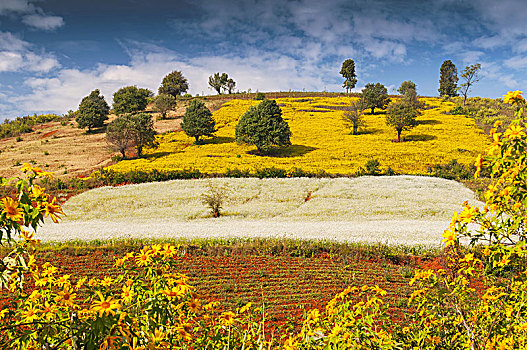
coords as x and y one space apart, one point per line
512 96
12 210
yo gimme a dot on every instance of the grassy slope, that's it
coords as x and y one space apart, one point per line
321 140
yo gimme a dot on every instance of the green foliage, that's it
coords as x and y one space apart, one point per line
173 84
230 85
22 125
402 116
198 120
348 72
144 134
215 198
264 127
457 110
260 96
93 111
218 81
164 103
130 99
470 77
120 133
448 79
405 86
375 96
452 171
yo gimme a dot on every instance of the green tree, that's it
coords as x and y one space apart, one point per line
231 84
264 127
93 111
144 134
354 115
198 120
218 81
402 116
173 84
448 79
121 133
470 76
130 99
405 86
348 72
375 96
164 103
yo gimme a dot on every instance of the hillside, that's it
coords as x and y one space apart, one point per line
321 141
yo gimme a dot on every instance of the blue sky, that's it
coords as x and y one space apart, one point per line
54 52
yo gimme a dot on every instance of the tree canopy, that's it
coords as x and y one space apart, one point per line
264 127
348 72
130 99
354 115
219 82
375 96
448 79
405 86
173 84
93 111
163 103
402 116
198 120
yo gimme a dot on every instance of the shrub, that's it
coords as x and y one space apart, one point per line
164 103
259 96
264 127
457 110
198 120
93 111
130 99
215 199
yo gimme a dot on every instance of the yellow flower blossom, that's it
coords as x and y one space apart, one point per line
52 209
514 132
66 297
12 210
127 294
227 318
512 96
450 237
29 314
105 306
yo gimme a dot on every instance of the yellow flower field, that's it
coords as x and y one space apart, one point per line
322 141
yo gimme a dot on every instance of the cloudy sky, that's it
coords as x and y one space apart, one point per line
54 52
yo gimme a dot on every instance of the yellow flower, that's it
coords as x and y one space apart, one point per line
34 296
143 258
478 164
183 334
155 249
49 310
52 210
228 318
468 214
514 132
127 294
168 251
12 210
194 305
157 336
176 292
65 297
512 96
80 283
450 237
37 191
106 282
63 280
246 307
105 306
29 314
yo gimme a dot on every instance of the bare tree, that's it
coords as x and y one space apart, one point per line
470 75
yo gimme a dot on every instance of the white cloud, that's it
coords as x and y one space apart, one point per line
516 62
43 22
17 55
32 15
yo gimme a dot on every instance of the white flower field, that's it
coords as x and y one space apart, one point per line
397 210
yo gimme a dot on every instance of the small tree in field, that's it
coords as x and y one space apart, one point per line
264 127
375 96
401 116
130 99
406 86
144 134
470 76
198 120
348 72
164 103
230 85
354 115
93 111
121 133
173 84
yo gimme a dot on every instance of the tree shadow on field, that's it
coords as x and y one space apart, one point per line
155 155
428 122
419 137
216 140
286 152
364 132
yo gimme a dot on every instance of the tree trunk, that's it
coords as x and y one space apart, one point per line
373 110
123 153
464 99
197 139
355 127
399 135
139 151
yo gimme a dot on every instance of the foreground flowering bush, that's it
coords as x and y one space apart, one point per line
476 301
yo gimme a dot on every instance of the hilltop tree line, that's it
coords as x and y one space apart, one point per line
261 125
